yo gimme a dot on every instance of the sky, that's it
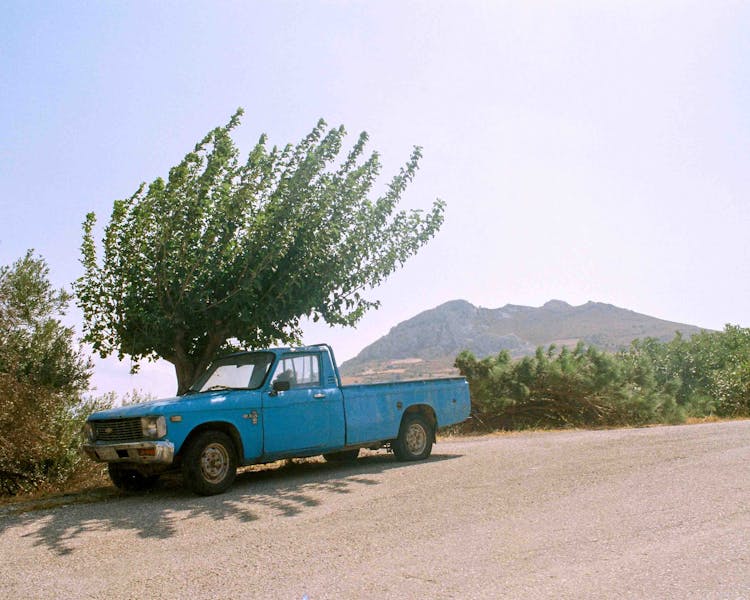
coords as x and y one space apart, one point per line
587 151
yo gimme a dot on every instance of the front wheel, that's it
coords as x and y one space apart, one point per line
210 463
130 480
415 438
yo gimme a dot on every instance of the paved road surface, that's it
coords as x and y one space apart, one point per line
639 513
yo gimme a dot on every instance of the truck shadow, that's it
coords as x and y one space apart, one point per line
285 489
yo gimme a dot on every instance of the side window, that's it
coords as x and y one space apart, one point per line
300 370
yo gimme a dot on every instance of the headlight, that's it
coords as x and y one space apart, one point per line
154 427
88 432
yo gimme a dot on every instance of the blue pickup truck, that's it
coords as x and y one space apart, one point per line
258 407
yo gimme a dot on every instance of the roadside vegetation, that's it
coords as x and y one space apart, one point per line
43 378
705 376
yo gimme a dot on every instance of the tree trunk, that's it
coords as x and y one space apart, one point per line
186 374
188 368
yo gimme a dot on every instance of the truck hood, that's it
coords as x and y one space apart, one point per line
179 404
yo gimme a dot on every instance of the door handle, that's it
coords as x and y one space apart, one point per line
319 395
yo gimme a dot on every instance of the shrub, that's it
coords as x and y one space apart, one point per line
651 382
42 378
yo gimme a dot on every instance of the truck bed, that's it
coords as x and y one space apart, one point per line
374 410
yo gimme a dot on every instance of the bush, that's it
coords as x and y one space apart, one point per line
651 382
42 378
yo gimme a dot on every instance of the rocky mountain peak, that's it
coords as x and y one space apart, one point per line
426 345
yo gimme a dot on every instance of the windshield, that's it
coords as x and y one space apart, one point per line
241 371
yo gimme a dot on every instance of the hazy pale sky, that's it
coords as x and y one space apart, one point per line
586 150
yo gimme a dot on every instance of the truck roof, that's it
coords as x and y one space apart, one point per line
280 349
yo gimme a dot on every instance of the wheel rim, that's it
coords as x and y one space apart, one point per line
214 463
416 439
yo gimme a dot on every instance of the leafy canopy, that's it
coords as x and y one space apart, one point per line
230 251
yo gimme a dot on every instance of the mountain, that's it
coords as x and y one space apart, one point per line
427 344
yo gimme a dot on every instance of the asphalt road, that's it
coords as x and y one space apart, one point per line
638 513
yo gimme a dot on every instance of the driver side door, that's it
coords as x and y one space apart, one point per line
306 417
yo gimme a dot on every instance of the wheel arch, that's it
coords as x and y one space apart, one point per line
427 412
227 428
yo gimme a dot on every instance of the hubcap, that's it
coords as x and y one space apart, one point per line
214 463
416 439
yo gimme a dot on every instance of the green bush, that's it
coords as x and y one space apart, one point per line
43 376
651 382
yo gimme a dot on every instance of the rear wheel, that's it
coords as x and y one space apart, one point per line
129 479
342 456
415 438
210 463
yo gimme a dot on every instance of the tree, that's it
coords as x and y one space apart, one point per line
229 253
42 378
713 370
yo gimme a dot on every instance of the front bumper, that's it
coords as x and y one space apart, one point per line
159 453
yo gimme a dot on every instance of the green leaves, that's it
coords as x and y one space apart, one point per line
651 382
42 377
231 250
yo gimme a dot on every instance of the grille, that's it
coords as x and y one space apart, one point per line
118 430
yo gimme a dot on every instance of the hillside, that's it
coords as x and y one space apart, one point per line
427 344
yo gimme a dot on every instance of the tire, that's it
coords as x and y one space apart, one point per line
415 438
130 480
342 456
210 463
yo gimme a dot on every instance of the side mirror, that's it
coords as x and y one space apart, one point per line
281 386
